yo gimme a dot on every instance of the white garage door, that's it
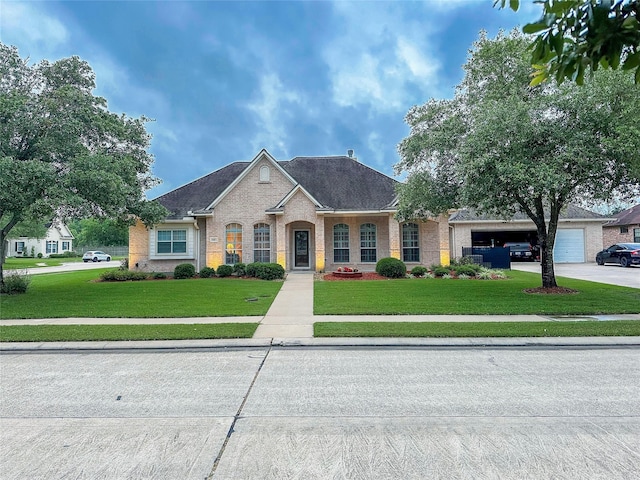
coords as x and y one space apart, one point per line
569 247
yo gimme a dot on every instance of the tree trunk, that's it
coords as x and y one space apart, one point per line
4 233
547 240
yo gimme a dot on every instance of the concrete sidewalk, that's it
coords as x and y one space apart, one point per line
290 319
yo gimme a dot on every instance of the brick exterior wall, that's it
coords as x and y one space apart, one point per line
245 204
613 235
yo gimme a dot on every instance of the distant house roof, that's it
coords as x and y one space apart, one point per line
571 212
338 183
630 216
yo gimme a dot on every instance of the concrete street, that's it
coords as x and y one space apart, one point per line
321 412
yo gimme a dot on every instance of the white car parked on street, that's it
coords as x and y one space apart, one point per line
96 256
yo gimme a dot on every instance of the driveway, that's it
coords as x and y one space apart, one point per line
611 274
73 266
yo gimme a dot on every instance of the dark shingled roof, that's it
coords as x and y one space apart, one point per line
198 194
339 183
630 216
342 183
571 212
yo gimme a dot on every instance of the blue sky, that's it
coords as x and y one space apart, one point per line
223 80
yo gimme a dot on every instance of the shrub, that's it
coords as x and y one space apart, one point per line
240 269
418 271
207 272
391 268
224 270
265 271
469 270
441 271
67 254
16 282
122 276
158 275
184 270
39 255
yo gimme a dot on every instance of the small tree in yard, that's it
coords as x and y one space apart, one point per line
63 153
501 146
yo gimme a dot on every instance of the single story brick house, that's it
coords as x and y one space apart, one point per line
625 228
58 239
307 213
578 238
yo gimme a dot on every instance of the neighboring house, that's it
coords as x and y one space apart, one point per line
625 227
308 213
578 239
58 239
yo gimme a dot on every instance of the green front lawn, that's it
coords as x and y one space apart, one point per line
466 297
80 333
77 294
477 329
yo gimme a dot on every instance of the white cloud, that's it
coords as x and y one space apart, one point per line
270 109
33 30
380 60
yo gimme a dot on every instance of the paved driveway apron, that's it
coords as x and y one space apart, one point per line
611 274
318 413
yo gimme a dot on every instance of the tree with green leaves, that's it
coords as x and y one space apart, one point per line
501 146
93 232
62 152
574 36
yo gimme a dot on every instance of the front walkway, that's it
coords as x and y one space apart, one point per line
291 313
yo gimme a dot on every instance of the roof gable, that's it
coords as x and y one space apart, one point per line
331 183
342 183
262 155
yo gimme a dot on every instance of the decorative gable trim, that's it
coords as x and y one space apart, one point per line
262 155
294 190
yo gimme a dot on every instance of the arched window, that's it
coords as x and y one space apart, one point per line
261 243
265 173
341 243
233 242
410 243
368 243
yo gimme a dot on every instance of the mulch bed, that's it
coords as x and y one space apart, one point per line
551 291
330 277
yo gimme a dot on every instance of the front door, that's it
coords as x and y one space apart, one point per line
302 249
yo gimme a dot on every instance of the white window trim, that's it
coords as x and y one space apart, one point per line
153 240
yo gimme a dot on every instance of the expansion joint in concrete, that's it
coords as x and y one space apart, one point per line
216 462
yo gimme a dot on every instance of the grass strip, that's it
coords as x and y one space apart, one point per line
78 294
477 329
83 333
471 297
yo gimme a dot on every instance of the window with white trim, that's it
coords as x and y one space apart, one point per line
262 243
410 243
636 235
341 243
51 246
65 246
368 243
19 247
171 241
233 242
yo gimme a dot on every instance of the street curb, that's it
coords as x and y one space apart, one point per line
175 345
